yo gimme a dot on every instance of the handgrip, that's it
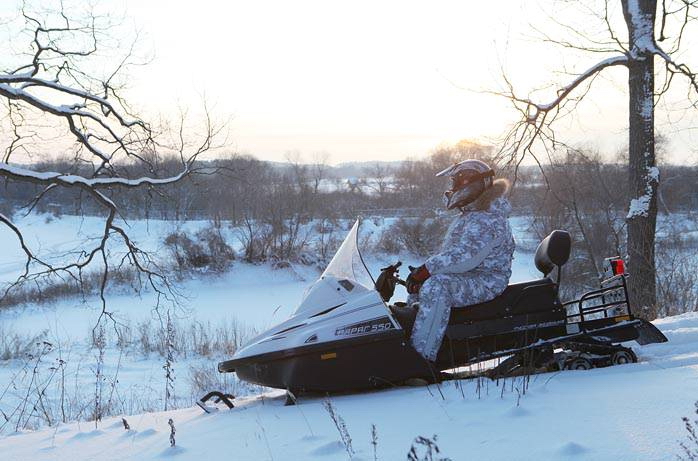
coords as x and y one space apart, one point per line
392 268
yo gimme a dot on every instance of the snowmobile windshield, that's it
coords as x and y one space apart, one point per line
347 263
345 278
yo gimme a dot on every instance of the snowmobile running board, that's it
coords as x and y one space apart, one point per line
220 397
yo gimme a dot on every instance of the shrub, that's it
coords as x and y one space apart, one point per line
206 250
14 346
54 287
220 254
204 377
677 277
187 253
255 240
419 236
327 241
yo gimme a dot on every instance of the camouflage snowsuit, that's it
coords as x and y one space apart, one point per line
474 266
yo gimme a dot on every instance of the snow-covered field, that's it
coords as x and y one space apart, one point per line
628 412
255 295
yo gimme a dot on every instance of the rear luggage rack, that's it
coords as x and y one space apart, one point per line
610 302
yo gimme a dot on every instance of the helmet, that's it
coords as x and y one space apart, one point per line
469 179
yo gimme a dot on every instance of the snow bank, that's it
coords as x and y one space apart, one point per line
627 412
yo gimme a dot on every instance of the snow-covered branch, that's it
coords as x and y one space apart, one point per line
19 173
537 116
563 92
55 95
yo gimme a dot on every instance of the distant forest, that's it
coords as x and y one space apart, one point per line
238 188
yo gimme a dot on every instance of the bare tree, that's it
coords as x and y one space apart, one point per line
648 36
318 169
580 198
378 177
299 175
56 93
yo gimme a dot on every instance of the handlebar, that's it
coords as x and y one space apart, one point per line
393 267
393 270
386 281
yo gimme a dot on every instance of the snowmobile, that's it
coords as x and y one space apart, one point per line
345 336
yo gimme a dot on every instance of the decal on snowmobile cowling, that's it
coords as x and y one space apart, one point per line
367 327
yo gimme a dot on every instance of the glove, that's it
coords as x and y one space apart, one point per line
385 284
416 278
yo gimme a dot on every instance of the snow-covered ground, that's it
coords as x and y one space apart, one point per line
629 412
246 299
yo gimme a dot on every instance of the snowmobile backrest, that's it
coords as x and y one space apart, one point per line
553 251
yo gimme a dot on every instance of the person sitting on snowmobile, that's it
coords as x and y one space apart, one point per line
474 264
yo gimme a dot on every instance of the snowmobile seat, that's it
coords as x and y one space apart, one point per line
530 297
518 298
526 297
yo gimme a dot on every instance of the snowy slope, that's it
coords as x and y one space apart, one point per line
627 412
251 297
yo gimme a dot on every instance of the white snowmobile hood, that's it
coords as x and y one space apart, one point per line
342 303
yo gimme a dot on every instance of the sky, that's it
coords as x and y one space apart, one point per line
358 80
366 80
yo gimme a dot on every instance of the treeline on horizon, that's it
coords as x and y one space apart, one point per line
240 187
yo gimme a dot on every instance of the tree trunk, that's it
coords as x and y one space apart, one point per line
643 175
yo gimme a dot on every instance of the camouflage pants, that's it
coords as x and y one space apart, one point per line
436 297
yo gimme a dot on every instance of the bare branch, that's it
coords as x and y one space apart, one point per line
55 89
537 117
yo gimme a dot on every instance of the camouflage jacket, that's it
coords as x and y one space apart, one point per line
479 243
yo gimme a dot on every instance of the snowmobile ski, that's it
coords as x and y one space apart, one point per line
219 397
